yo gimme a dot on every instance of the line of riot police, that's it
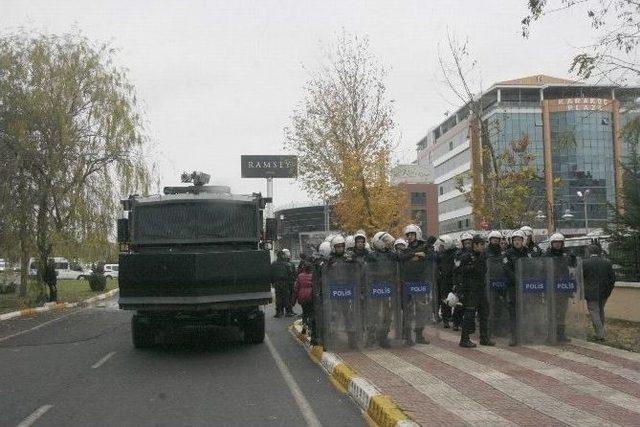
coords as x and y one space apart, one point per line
387 292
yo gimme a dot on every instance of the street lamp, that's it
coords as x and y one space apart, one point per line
583 195
567 214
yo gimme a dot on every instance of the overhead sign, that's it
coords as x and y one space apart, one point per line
269 166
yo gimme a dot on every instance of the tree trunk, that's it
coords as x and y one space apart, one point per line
23 236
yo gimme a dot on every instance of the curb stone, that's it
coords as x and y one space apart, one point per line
380 408
52 306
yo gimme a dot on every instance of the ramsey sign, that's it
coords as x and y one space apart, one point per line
269 166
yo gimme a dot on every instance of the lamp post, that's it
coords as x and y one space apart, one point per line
583 195
567 215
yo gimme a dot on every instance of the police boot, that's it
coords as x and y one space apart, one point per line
486 341
408 341
561 336
278 315
513 341
445 324
455 328
420 339
353 341
384 340
371 340
466 342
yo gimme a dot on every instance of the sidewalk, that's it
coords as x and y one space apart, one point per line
578 384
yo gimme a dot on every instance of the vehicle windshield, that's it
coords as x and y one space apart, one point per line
195 222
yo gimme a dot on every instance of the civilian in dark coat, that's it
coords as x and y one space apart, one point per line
599 280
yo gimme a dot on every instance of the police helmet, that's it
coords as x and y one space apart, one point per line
412 228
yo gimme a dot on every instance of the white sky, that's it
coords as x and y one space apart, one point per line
220 78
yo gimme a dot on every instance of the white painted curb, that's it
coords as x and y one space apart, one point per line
51 306
360 390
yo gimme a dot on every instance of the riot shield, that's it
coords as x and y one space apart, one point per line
419 300
497 296
533 301
382 310
341 298
569 308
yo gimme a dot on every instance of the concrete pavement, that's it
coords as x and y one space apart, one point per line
79 367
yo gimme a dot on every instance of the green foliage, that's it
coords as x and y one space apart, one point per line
508 199
616 24
342 134
625 227
71 143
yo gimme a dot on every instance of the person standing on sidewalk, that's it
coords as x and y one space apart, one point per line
281 277
303 294
599 280
473 266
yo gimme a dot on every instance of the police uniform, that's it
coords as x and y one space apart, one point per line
473 266
510 258
446 280
281 277
414 307
562 261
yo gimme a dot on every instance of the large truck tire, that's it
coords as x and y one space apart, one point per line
141 333
254 329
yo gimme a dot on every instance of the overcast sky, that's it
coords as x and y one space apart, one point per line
220 78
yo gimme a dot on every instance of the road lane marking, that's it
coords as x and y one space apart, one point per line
41 325
103 360
518 390
439 391
306 409
34 416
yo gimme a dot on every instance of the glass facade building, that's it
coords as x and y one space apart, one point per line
574 137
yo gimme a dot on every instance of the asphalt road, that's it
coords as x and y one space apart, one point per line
78 368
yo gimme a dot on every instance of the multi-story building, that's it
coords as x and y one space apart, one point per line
574 133
422 198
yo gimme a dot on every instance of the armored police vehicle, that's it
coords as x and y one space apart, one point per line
194 257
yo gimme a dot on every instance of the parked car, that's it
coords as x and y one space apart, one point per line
111 271
3 265
65 270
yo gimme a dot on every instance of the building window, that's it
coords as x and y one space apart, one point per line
466 222
419 199
441 190
450 145
459 225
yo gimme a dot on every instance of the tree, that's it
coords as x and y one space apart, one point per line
503 192
71 141
625 227
514 181
343 136
617 27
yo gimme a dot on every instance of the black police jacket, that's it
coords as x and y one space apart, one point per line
599 278
473 267
509 261
447 267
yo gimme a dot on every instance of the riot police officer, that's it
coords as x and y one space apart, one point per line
319 261
473 265
497 287
446 275
562 260
415 308
518 250
379 310
532 247
458 311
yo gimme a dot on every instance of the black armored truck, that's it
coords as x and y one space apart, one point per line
194 257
